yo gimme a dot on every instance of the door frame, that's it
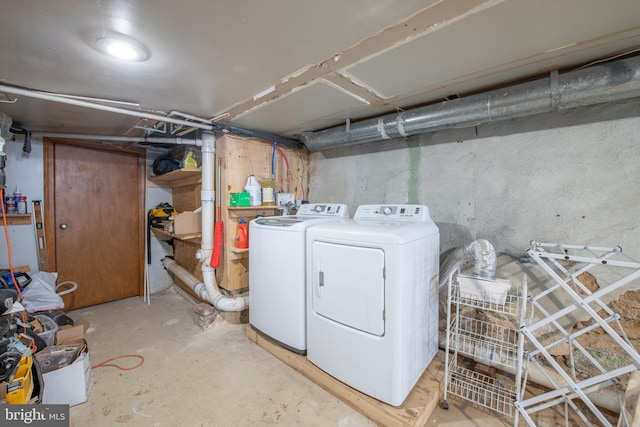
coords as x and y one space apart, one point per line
49 212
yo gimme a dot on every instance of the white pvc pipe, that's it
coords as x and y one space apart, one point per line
208 288
177 141
71 101
221 302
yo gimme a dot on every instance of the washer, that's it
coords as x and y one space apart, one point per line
277 302
372 298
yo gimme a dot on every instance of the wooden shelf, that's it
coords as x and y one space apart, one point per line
185 237
250 212
249 208
235 254
18 219
177 178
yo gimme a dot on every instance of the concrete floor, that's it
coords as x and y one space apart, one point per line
217 377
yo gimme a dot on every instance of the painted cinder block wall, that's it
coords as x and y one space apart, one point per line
569 178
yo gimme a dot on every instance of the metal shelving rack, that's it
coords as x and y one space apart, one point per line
547 329
499 346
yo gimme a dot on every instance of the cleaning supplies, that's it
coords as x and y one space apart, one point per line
268 191
254 190
242 234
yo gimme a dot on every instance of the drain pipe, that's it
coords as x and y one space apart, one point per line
607 82
204 124
207 289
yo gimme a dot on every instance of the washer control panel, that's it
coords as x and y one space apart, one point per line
324 209
393 212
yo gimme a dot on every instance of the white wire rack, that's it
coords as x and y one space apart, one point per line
498 345
489 392
565 266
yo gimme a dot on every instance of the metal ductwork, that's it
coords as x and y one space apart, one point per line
607 82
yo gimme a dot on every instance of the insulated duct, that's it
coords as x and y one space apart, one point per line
607 82
483 254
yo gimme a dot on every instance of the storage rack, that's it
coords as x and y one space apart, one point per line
565 265
493 345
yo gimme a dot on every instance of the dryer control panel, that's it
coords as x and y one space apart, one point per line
416 213
324 209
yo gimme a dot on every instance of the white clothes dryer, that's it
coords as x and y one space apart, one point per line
277 273
372 298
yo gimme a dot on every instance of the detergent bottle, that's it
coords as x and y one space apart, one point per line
242 234
254 190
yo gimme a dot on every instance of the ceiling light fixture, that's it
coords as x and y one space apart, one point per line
121 48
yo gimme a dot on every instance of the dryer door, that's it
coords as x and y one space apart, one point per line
348 285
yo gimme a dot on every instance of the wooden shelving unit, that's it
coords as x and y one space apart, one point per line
17 219
177 178
240 158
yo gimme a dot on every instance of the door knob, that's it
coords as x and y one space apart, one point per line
63 226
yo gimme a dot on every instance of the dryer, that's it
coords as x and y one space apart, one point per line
277 273
372 298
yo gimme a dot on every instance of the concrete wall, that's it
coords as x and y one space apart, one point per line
571 178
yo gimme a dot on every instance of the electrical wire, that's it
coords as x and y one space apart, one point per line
107 364
273 161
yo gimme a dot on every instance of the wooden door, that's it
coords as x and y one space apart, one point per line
94 219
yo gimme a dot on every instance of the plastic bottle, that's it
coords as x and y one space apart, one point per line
268 192
242 234
254 190
10 205
16 195
22 205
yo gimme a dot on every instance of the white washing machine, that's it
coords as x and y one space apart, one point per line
277 272
372 298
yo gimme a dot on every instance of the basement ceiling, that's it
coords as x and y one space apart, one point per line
287 66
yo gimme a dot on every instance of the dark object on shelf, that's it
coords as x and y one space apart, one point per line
164 164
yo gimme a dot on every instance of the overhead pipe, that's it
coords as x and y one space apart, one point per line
208 288
208 126
90 137
612 81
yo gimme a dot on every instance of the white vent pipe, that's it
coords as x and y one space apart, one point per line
483 254
607 82
208 288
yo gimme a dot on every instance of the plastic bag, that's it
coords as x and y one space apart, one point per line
41 294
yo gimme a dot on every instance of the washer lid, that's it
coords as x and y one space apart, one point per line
279 221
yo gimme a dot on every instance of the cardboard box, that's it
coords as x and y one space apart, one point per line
67 334
187 223
69 385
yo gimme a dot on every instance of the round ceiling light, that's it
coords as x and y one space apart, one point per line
125 49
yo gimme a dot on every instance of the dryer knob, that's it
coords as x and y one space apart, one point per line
318 208
386 210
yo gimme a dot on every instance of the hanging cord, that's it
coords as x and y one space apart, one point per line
106 362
